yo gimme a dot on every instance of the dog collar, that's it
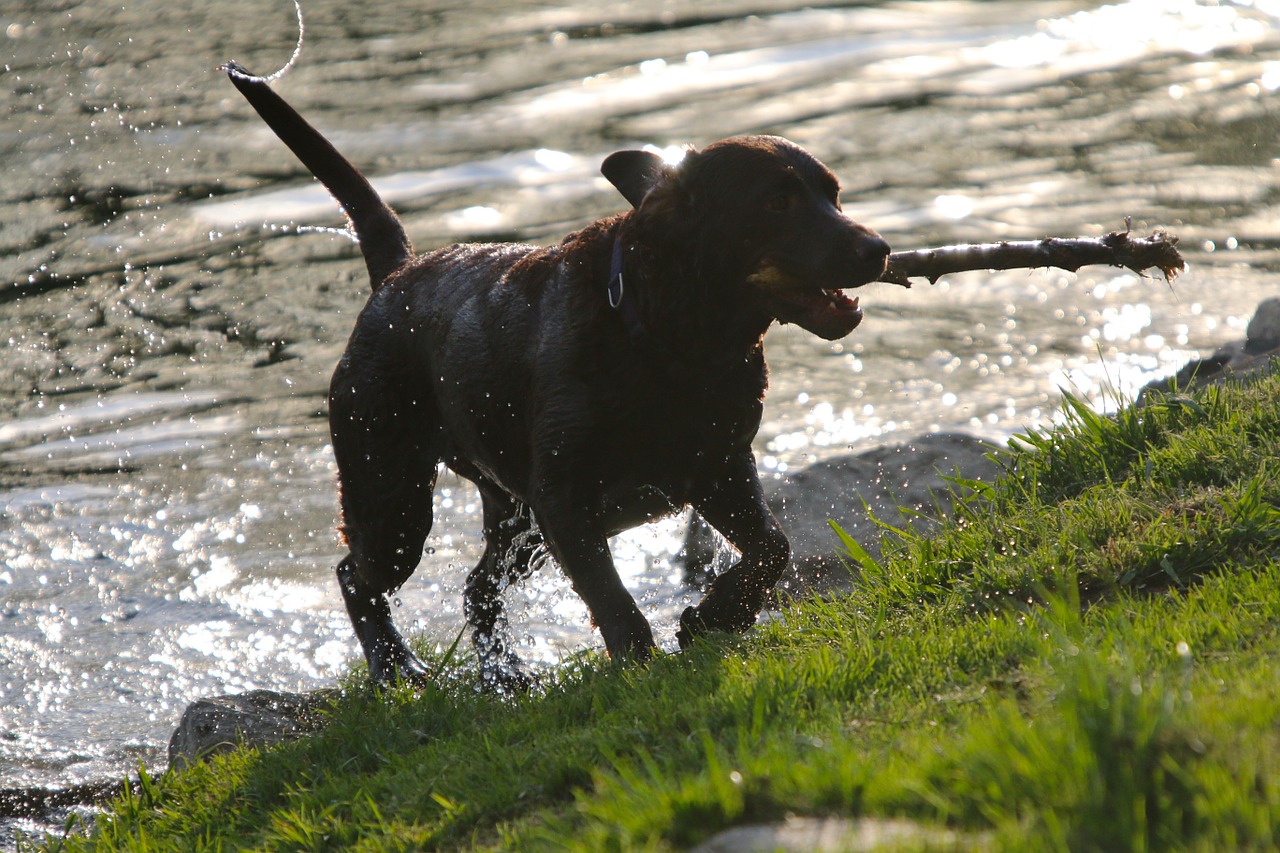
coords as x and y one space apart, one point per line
615 274
625 307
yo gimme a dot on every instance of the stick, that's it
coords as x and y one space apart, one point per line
1118 249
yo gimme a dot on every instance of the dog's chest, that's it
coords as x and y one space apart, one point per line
674 439
654 474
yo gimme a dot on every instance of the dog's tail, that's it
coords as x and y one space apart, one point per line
383 241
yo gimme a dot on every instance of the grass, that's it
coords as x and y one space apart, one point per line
1086 660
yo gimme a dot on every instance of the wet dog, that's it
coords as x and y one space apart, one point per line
584 388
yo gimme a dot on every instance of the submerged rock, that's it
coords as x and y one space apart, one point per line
904 485
257 718
40 803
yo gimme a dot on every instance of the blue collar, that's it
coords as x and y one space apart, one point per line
626 308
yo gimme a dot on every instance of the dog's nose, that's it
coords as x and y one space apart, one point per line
871 248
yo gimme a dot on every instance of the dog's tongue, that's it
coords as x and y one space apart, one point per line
829 314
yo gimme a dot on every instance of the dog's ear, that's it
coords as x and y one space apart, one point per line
634 173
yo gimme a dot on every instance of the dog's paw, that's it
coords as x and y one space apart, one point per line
690 626
704 619
629 641
398 665
506 677
510 683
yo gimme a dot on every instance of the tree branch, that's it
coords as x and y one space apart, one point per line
1118 249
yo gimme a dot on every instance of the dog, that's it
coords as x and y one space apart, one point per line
584 388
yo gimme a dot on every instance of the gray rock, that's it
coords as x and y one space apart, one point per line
1263 333
850 490
820 835
1236 360
257 718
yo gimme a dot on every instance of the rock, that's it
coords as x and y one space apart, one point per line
257 718
1263 332
1239 359
907 475
40 803
819 835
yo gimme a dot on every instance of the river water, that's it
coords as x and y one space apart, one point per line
175 290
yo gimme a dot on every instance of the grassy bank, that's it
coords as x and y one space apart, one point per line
1087 660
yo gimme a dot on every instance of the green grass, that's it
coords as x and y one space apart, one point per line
1086 660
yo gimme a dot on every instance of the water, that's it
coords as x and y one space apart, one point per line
180 289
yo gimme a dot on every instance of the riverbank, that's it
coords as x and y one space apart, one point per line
167 500
1086 660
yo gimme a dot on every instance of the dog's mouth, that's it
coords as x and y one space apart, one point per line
826 312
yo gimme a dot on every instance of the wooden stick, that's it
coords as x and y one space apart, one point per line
1119 249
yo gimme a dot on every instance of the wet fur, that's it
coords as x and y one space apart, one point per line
507 363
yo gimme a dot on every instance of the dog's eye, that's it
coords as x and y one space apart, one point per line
778 202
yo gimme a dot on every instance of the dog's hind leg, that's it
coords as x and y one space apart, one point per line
388 654
735 506
386 474
511 543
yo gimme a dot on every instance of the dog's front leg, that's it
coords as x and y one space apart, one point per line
582 550
734 505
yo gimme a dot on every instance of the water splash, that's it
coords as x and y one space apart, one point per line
232 68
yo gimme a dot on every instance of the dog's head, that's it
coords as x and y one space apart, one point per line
762 217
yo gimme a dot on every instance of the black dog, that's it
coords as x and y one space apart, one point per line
584 388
